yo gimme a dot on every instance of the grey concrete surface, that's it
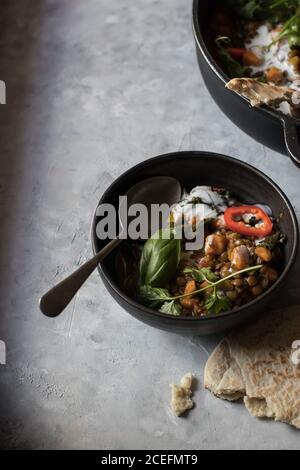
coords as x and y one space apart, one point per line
94 87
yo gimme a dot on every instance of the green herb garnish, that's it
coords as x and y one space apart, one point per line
217 302
278 238
155 297
201 275
286 12
171 308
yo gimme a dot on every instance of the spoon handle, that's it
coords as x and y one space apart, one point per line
56 299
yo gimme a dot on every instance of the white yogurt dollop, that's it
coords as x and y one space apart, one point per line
202 202
274 56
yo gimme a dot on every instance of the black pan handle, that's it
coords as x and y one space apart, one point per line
291 136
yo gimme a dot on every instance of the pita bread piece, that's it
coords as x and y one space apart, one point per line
255 363
259 93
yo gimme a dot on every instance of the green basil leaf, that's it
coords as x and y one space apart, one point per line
201 275
159 260
217 303
171 308
153 296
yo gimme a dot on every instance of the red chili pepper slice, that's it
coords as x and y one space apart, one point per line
234 221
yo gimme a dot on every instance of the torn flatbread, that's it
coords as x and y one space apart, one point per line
259 93
258 407
255 364
222 375
181 395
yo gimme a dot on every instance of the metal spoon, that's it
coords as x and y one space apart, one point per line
155 190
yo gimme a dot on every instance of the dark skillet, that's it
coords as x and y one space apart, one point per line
192 169
272 129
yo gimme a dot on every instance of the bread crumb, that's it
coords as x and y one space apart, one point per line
181 395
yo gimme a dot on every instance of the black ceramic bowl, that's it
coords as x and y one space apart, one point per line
277 131
192 169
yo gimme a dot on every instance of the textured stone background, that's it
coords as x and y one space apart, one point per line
94 87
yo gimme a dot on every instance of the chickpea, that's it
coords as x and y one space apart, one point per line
264 283
227 285
252 281
215 244
270 273
232 295
240 257
238 282
256 291
263 253
207 262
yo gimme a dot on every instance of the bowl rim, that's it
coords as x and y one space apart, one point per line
198 36
200 154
